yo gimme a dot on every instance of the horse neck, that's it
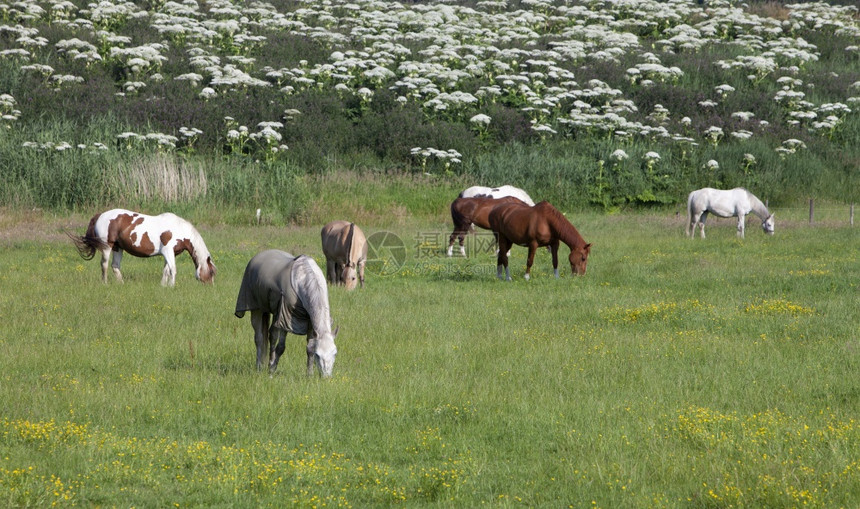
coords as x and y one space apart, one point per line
758 207
197 249
564 230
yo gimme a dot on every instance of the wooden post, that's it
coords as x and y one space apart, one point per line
811 210
851 215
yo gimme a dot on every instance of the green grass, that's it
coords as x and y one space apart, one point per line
676 373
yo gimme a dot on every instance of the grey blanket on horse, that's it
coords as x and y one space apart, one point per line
268 286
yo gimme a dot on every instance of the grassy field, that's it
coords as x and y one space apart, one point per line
676 373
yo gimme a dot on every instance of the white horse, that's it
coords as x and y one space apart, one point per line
292 292
735 202
166 234
498 192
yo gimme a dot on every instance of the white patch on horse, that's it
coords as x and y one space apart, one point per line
498 192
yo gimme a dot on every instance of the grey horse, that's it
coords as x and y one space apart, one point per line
292 292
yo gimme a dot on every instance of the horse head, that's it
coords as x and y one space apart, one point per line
349 275
206 271
323 351
579 259
767 225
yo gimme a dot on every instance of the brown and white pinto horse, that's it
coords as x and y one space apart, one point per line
466 212
541 225
167 235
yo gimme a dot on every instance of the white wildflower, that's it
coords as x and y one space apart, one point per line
480 118
619 155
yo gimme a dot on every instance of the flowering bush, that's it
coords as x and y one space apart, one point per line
656 74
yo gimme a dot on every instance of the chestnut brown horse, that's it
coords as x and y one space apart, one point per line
541 225
466 212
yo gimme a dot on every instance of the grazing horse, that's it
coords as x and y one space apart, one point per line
166 234
735 202
290 292
345 249
466 212
498 192
541 225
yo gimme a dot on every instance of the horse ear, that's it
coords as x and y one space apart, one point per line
588 248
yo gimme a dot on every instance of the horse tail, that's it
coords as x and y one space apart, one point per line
689 214
89 243
461 221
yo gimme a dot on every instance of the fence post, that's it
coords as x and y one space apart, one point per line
811 210
851 215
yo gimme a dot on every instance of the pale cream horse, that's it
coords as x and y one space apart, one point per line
345 249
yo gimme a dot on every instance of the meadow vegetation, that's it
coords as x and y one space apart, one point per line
675 373
592 103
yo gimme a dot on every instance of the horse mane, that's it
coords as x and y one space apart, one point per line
350 241
314 293
565 229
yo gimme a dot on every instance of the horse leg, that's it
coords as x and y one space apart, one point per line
461 236
260 322
330 271
455 234
553 248
701 223
692 219
360 269
116 260
105 264
530 260
460 232
168 275
502 257
277 344
338 273
311 348
741 218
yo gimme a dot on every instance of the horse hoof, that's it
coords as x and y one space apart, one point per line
527 276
